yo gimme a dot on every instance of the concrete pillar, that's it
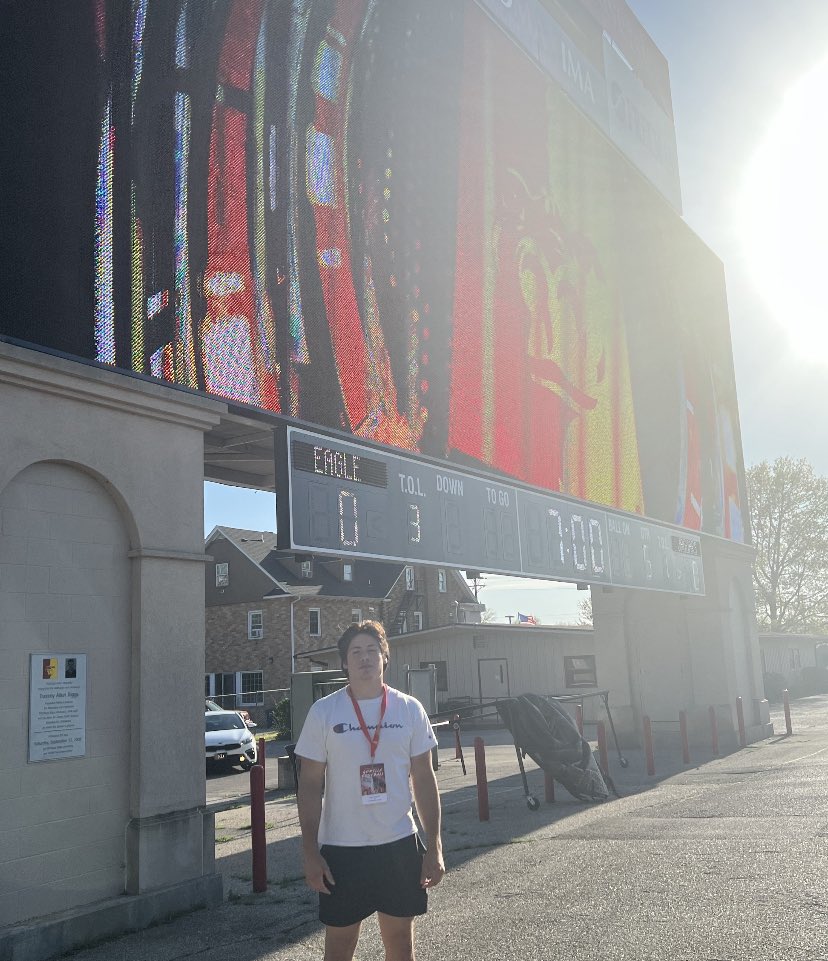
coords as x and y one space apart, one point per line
661 653
101 553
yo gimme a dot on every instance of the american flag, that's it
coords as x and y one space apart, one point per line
527 619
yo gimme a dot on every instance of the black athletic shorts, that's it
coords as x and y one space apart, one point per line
379 877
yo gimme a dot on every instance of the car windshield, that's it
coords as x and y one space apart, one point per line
222 722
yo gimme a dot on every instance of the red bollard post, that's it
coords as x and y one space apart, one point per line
482 783
549 787
648 745
740 717
261 755
579 718
786 698
603 758
714 730
257 823
685 743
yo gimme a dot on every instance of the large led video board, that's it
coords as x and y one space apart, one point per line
379 218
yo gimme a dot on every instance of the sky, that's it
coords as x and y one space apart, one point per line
749 84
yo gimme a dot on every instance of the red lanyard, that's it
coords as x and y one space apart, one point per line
372 741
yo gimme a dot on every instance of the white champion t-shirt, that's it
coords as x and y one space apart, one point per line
332 734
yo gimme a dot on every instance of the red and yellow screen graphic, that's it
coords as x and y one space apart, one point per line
540 377
378 217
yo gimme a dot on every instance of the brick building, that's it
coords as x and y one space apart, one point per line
270 612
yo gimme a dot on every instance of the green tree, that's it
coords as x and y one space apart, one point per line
789 521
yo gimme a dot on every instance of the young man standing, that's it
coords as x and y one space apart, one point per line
361 849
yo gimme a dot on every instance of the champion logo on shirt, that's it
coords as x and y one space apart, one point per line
346 727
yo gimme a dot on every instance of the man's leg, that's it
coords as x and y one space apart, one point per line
397 936
340 943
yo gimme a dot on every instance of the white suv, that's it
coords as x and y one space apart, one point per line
227 739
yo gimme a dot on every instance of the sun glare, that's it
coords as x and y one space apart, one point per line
783 214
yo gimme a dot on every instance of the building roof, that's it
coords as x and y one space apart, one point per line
774 637
513 631
453 632
371 579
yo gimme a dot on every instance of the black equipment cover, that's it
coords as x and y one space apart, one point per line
545 732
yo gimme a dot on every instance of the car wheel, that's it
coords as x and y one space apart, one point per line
246 764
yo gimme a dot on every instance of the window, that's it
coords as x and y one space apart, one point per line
442 673
580 671
441 580
314 622
356 615
221 688
251 687
235 690
347 572
796 661
409 578
418 620
402 623
255 625
222 575
307 568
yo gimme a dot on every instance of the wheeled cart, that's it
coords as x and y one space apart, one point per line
546 732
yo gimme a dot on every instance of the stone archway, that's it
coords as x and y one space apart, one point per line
65 589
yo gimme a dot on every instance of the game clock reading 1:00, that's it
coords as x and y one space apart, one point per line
347 499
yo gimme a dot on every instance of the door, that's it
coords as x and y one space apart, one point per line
493 675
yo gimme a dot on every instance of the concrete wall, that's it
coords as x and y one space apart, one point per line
663 653
101 553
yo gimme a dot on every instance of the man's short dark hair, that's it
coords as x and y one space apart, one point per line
372 629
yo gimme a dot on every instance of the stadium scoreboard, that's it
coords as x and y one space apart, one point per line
352 499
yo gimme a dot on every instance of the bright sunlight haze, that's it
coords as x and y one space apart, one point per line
783 210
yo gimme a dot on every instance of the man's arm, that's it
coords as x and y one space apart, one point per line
427 798
309 802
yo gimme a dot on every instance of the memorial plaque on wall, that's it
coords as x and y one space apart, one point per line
57 706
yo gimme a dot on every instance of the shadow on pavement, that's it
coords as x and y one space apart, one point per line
290 908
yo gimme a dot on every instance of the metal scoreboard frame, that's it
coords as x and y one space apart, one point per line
345 499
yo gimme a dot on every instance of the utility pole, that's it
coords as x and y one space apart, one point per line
510 617
477 579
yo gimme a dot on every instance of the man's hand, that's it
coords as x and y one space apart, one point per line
433 868
311 782
317 872
427 798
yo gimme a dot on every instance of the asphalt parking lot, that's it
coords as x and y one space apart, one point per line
724 858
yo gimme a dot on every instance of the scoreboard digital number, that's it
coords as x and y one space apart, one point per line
346 499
